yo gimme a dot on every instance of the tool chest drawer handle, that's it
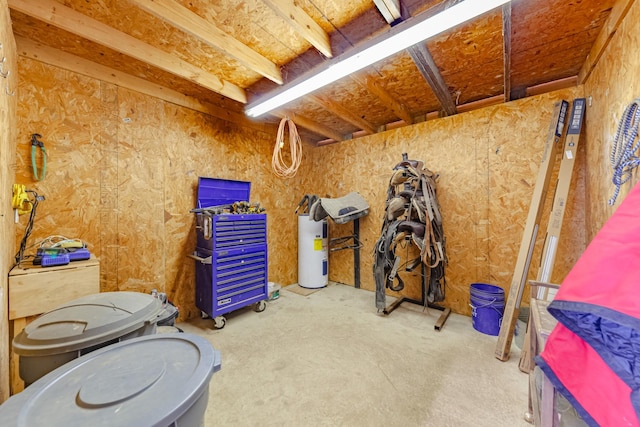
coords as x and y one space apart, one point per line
206 260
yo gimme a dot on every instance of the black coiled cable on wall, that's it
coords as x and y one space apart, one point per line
29 228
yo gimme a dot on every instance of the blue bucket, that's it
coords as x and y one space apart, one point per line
487 308
486 292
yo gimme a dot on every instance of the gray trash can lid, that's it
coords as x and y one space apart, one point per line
87 321
146 381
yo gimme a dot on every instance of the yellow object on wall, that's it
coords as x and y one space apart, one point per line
20 201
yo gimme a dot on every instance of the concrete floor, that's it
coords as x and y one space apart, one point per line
328 359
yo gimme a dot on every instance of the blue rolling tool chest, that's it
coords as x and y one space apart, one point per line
231 252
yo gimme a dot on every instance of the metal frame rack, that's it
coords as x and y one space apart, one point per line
421 302
355 246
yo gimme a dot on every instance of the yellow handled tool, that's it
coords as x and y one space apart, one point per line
20 201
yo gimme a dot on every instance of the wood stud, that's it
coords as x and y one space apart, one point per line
180 17
68 19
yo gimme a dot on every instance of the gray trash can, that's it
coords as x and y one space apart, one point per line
155 380
81 326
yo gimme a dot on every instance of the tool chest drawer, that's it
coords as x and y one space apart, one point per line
232 279
228 231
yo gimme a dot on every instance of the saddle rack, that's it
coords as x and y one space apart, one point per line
349 208
421 302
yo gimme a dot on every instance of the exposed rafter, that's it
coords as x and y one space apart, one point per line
311 125
610 27
180 17
343 113
369 82
74 22
48 55
429 70
295 16
390 9
424 61
506 49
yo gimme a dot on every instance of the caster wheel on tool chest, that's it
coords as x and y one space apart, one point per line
203 315
219 322
259 306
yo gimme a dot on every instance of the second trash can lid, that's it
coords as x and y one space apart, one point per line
87 321
154 380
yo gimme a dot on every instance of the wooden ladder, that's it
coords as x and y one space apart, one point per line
518 281
554 226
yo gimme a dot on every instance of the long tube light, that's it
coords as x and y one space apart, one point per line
400 37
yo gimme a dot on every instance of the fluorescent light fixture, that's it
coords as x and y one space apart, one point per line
400 37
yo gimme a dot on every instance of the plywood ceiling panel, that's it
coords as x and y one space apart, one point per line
401 77
358 100
549 40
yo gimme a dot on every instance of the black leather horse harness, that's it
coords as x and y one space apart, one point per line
412 215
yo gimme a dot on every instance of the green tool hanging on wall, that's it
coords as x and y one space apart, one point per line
35 142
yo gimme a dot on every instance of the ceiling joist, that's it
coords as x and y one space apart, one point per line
429 70
343 113
506 49
369 82
60 16
390 9
311 125
422 58
180 17
304 25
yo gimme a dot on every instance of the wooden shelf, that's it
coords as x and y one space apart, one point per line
34 290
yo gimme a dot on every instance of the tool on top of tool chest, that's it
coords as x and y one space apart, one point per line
233 208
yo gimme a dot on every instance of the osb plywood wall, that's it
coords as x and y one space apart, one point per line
123 169
8 106
487 161
122 176
612 86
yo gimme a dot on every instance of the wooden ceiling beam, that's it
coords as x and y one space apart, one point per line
390 9
33 50
429 70
551 86
617 15
426 65
310 124
180 17
304 25
63 17
343 113
506 49
369 82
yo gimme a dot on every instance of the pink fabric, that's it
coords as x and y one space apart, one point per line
608 272
589 381
591 355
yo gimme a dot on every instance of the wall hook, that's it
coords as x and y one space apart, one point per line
2 72
6 89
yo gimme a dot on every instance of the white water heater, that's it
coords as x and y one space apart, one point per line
313 247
